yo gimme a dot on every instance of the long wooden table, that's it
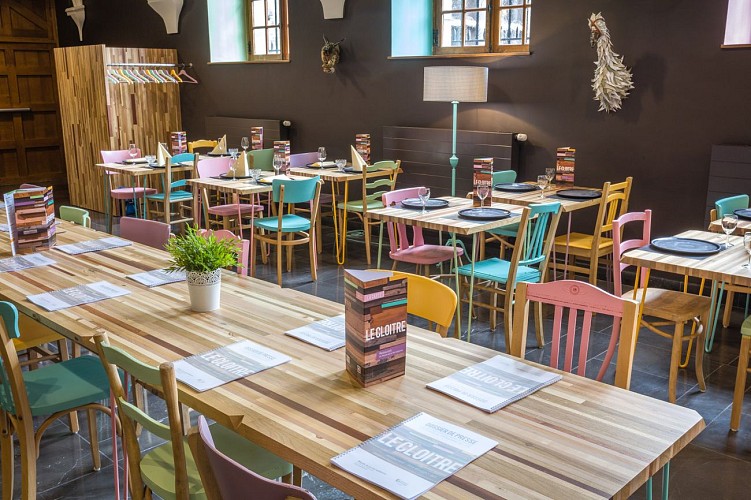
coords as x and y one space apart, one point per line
577 438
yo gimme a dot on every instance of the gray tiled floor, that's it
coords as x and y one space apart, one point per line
716 465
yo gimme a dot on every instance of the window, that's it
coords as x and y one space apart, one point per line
248 30
267 33
481 26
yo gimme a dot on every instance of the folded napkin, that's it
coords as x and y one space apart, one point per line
221 147
358 164
162 154
324 164
244 165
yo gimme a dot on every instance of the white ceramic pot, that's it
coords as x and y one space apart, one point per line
204 289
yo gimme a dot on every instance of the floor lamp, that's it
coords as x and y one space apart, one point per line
455 84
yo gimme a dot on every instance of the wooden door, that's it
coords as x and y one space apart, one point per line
30 145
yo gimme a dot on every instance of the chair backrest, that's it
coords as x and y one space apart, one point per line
13 397
729 205
534 238
29 186
163 380
262 158
613 204
201 143
302 159
243 246
211 167
620 246
430 299
401 242
295 190
147 232
76 215
504 177
183 157
375 187
577 297
117 156
223 478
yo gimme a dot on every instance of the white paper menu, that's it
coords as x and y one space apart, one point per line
21 262
327 333
77 295
93 245
158 277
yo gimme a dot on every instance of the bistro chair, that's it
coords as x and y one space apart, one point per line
590 248
287 229
501 234
167 470
50 391
147 232
243 246
121 194
431 300
372 193
201 144
303 159
173 193
741 374
75 215
669 307
326 199
528 263
416 252
262 158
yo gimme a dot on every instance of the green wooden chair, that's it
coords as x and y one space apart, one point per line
178 193
501 234
168 470
262 158
52 390
371 199
75 215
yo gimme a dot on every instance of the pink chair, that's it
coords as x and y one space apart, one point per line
242 244
224 479
576 297
214 167
148 232
302 159
123 193
417 252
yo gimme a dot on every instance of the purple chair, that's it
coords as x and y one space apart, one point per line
148 232
302 159
122 193
213 167
225 479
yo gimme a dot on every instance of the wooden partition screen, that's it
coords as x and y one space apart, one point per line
425 153
98 115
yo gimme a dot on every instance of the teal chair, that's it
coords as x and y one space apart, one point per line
76 215
49 391
263 159
501 234
161 204
729 205
168 470
287 229
529 263
504 177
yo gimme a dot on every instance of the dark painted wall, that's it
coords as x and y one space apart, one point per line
689 94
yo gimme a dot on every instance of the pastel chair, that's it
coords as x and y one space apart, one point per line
147 232
168 470
243 246
326 199
262 158
201 144
173 193
740 376
501 234
121 194
303 159
75 215
431 300
224 213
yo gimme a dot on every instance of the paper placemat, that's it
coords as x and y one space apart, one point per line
327 333
21 262
158 277
77 295
94 245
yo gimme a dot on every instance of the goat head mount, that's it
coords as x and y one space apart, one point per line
330 53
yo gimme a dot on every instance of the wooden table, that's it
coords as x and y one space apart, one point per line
530 197
743 225
575 439
336 178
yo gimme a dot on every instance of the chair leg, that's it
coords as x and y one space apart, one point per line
675 359
538 325
94 440
313 259
367 239
699 356
6 456
319 234
279 254
728 309
25 432
740 383
290 237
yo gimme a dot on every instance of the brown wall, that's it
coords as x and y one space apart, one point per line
689 94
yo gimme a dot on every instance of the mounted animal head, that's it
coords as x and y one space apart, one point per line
330 55
597 28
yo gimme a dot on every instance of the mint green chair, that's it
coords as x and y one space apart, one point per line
287 229
504 177
501 234
49 391
262 158
729 205
161 204
76 215
168 470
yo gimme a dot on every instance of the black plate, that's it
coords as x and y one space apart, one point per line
217 154
229 176
154 165
484 214
515 187
686 246
579 194
431 204
743 213
348 169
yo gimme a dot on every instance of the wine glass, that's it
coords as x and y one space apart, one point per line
278 161
729 223
132 150
321 155
542 183
245 143
232 167
233 152
550 174
482 193
747 246
340 164
424 194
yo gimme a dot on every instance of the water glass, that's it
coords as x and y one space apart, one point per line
233 152
132 150
232 167
550 174
340 164
424 194
729 223
256 173
542 183
278 162
151 159
482 193
244 143
321 154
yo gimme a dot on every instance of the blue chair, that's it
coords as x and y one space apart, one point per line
286 225
501 234
529 262
176 194
53 391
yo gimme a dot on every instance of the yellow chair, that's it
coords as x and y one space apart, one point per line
201 143
430 299
592 247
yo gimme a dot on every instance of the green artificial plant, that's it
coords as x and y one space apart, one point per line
193 252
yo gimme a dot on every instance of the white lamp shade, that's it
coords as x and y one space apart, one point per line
455 83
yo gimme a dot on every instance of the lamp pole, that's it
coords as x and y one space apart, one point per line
454 160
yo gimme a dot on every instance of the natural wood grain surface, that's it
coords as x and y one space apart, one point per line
743 225
575 439
530 197
139 170
333 175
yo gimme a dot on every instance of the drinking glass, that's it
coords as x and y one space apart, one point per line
256 173
424 194
747 246
340 164
550 174
151 159
278 161
233 152
132 150
321 154
729 223
482 193
542 183
232 167
245 143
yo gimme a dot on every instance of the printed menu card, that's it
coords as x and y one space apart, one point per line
494 383
93 245
415 455
327 333
24 262
158 277
77 295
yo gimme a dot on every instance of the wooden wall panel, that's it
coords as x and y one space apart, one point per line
729 174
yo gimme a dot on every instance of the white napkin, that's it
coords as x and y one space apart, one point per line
358 164
221 147
162 154
244 165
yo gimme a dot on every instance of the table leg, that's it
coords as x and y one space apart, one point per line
472 289
342 249
145 185
107 203
380 244
458 321
135 200
714 314
568 240
335 214
252 261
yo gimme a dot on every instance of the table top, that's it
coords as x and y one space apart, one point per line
333 175
577 438
139 169
445 219
743 225
238 186
524 199
723 266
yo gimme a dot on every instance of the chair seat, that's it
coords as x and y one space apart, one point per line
60 386
34 337
291 223
497 270
231 209
356 206
671 305
580 241
173 196
426 254
126 193
157 465
509 231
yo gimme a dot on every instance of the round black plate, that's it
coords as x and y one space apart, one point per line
484 214
154 165
743 213
686 246
515 187
432 204
579 194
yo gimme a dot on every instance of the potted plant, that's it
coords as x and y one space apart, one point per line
202 257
